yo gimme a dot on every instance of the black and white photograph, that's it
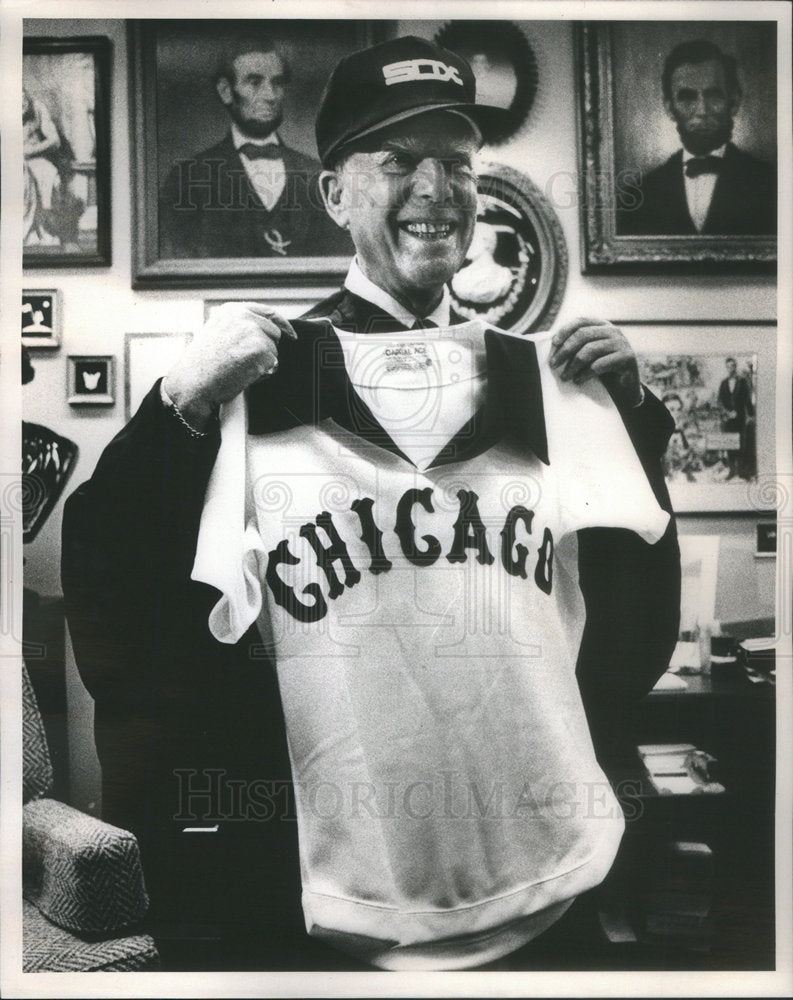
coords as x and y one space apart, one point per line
90 380
41 318
717 381
227 171
66 152
679 143
389 602
713 401
766 539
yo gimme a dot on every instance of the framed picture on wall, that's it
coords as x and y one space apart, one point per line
666 184
91 380
766 534
717 380
41 317
515 272
66 151
225 182
290 307
147 357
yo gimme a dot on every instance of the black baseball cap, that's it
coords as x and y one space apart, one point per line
390 82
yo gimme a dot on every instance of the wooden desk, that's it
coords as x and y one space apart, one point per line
734 720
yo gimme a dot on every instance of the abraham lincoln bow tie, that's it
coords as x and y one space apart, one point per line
424 324
269 151
703 165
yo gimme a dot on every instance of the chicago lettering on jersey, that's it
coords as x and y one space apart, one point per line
333 558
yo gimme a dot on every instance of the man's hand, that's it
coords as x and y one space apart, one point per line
237 346
587 347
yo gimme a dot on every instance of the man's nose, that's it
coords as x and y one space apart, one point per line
431 180
266 90
700 105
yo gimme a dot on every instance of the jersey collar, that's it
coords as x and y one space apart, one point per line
312 384
513 404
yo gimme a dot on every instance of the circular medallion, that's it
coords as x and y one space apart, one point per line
515 272
505 68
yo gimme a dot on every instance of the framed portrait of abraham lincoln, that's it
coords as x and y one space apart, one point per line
226 172
677 139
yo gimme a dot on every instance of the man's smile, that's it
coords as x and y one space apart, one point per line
428 231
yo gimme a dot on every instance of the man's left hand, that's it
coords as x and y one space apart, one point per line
586 347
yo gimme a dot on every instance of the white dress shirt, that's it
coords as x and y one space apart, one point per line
268 177
357 283
699 190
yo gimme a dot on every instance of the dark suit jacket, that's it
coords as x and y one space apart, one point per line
172 702
743 203
740 400
208 208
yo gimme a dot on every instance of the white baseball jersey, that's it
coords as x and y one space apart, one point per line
425 621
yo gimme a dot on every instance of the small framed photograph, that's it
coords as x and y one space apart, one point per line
147 357
41 317
717 380
766 538
66 152
662 188
91 380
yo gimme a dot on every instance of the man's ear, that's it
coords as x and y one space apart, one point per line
223 88
332 189
669 112
736 96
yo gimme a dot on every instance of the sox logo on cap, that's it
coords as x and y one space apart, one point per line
420 69
361 97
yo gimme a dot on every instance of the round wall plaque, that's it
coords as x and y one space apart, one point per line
515 273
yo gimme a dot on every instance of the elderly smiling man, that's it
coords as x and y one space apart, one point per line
448 544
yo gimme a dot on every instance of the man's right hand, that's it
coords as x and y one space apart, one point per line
237 346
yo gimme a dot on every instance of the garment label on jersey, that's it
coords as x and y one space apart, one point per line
431 358
406 358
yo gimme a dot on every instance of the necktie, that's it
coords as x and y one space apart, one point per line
270 151
424 324
703 165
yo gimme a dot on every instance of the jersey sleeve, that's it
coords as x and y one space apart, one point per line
599 476
229 549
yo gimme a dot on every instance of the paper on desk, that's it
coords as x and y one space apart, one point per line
758 645
646 749
670 682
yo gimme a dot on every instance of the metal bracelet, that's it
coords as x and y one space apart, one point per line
190 430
